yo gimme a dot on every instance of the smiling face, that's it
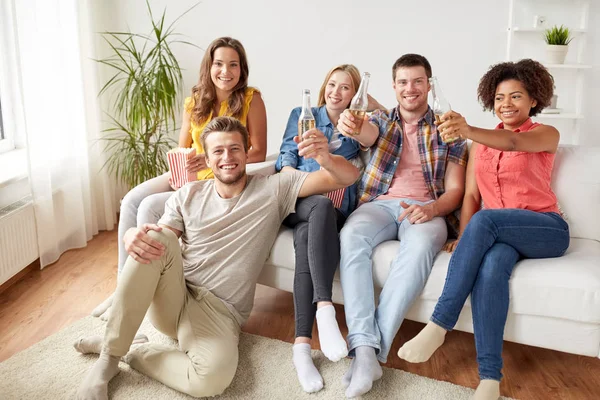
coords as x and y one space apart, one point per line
225 70
339 91
411 87
226 156
512 103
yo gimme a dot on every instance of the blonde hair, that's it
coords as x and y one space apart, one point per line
347 68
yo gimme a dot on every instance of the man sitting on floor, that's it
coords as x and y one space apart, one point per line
202 292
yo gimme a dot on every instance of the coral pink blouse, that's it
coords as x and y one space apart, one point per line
515 179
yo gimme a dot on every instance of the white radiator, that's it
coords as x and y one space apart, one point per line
18 238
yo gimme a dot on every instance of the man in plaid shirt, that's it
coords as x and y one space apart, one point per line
409 190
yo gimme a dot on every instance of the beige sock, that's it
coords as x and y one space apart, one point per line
102 307
488 389
421 347
93 344
95 383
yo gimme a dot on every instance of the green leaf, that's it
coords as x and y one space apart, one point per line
147 90
556 35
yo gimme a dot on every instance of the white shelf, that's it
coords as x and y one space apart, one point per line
571 77
560 116
567 66
542 30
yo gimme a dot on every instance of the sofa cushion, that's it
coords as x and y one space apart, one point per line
576 182
567 287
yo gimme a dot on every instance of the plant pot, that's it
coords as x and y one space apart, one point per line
554 101
556 54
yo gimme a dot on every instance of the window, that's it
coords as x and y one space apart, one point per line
1 125
8 80
6 141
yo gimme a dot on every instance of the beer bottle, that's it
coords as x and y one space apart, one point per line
440 104
307 119
360 102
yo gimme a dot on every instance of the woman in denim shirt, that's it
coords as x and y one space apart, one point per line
316 224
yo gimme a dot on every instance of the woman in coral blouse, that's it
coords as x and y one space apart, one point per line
509 212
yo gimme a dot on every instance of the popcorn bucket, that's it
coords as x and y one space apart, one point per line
177 159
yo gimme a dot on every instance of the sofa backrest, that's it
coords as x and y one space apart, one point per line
576 182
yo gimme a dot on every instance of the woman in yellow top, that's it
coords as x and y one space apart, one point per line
222 89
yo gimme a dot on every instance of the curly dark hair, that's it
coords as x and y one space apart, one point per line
536 79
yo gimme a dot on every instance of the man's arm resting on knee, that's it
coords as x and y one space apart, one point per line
454 185
142 247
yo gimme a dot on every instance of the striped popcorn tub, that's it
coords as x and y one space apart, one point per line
337 197
176 158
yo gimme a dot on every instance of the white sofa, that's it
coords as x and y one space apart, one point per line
555 303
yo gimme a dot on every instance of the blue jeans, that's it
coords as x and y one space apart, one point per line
491 245
371 224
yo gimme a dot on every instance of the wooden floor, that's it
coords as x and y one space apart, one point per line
44 302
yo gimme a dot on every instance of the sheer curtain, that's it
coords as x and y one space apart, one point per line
73 198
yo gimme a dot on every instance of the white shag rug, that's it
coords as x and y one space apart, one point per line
52 369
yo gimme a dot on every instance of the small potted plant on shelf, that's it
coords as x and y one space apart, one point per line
557 40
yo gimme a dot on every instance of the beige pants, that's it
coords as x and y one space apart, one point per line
208 333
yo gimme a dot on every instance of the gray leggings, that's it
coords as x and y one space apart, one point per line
143 204
316 225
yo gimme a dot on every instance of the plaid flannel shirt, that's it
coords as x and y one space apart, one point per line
433 151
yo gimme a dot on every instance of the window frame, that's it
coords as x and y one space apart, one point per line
9 80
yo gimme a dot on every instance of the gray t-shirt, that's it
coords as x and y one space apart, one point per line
225 242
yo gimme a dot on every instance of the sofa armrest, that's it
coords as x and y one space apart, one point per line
264 168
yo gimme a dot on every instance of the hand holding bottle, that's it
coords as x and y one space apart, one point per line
440 107
453 126
313 144
348 123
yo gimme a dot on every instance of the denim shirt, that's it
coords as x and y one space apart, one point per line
288 153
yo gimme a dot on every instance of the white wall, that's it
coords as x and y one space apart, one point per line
291 45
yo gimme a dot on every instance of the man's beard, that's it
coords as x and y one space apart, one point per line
230 180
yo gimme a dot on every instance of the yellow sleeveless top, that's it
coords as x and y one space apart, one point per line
196 129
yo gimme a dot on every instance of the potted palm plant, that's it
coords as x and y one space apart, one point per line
145 95
557 43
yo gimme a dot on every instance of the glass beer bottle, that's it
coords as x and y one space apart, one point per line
440 104
360 103
307 119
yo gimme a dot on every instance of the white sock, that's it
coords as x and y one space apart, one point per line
95 383
488 389
333 344
366 370
308 375
93 344
102 307
421 347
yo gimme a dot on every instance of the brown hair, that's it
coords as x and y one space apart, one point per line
347 68
411 60
225 124
536 79
205 94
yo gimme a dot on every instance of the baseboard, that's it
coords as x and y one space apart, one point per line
34 266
